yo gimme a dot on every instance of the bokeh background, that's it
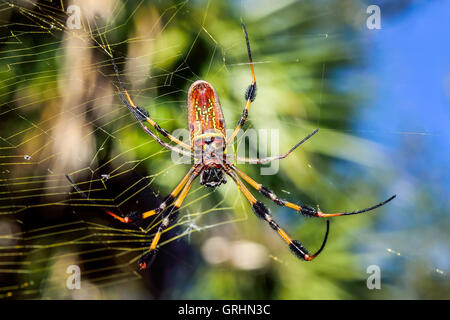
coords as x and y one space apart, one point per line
380 98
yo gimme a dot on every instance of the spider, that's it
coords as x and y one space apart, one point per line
208 144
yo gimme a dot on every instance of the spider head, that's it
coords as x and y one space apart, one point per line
212 177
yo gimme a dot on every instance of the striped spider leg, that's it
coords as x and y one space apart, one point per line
262 212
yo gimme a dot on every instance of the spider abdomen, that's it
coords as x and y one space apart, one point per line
206 124
205 116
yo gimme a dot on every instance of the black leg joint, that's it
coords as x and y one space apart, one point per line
250 93
141 113
243 118
298 249
260 210
269 194
265 192
164 132
273 225
308 211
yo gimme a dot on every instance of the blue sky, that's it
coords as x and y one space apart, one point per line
408 67
409 62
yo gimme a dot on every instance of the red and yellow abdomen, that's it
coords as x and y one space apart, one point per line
206 123
205 117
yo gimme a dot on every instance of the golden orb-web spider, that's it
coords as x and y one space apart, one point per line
208 149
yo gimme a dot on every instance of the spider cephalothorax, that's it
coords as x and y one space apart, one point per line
207 148
212 177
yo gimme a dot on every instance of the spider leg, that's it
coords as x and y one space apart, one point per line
164 144
263 212
306 210
142 114
145 261
279 157
250 93
167 201
150 133
134 217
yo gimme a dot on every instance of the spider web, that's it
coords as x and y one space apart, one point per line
61 114
56 129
